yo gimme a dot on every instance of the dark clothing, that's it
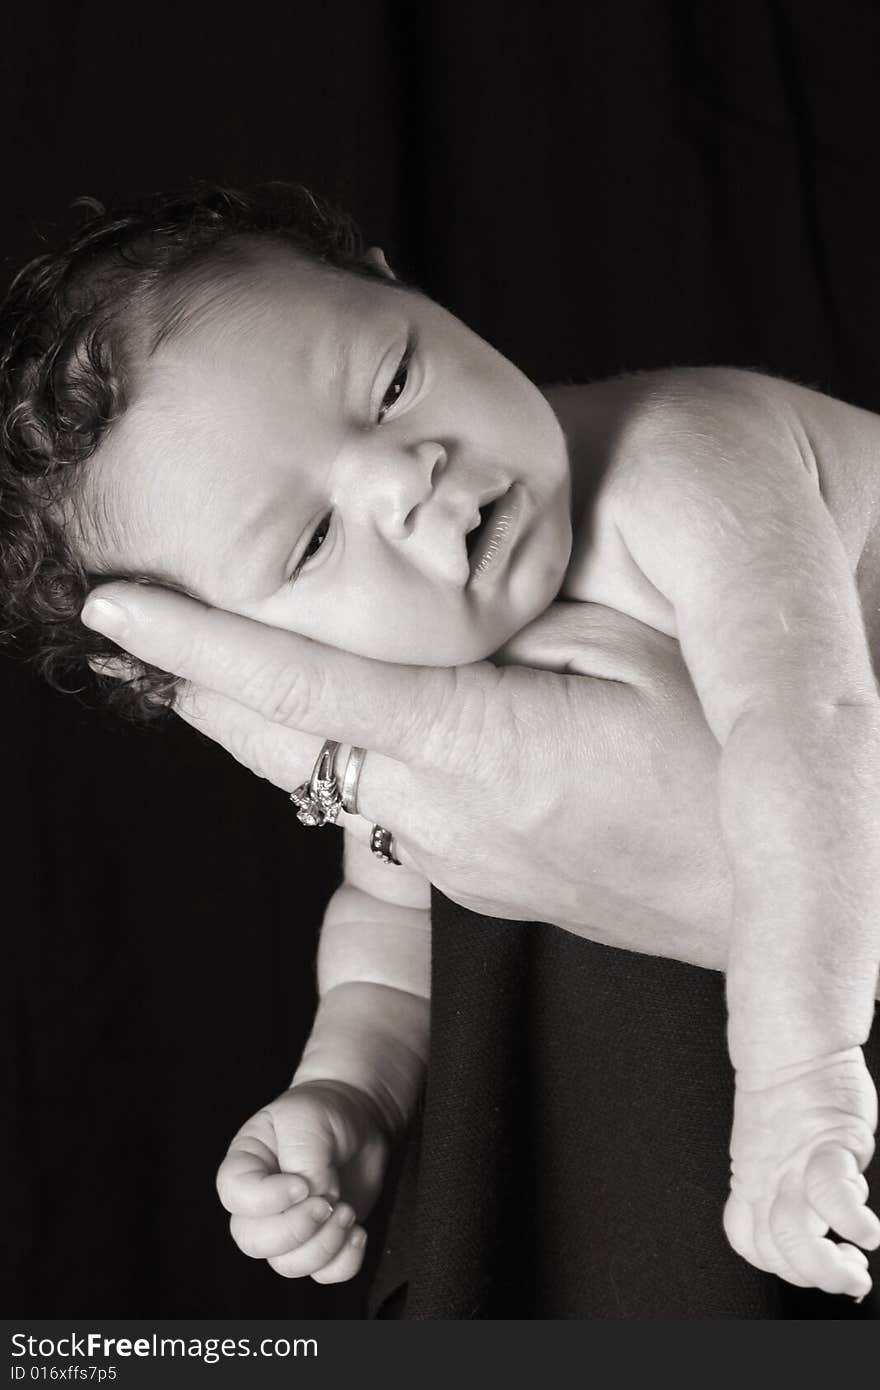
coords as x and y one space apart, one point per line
571 1155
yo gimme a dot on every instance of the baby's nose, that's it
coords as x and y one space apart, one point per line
413 477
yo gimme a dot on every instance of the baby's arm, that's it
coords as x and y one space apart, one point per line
327 1137
374 985
728 526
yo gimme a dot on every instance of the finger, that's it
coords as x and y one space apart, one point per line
290 680
265 1236
286 757
346 1264
317 1252
835 1188
360 828
282 756
588 637
115 667
249 1184
821 1263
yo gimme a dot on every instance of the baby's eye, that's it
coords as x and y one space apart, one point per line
319 535
398 384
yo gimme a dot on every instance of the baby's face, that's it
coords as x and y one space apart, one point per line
314 458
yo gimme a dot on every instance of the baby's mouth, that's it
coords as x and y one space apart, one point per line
476 533
486 541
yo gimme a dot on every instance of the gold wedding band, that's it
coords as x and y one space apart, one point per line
350 779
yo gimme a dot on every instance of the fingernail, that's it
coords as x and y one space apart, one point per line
322 1213
358 1239
298 1189
104 616
345 1217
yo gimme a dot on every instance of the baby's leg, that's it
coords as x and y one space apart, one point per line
801 823
721 513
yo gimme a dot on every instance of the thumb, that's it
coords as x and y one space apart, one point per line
288 679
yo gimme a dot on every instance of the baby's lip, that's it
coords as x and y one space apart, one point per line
491 538
468 521
484 501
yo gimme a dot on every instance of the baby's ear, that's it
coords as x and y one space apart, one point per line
376 256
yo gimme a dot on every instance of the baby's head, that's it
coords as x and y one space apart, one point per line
226 394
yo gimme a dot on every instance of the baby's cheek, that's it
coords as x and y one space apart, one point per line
406 623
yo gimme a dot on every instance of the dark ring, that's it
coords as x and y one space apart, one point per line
382 845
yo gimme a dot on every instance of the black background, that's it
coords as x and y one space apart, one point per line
617 186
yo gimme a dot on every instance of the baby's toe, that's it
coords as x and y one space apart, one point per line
818 1262
746 1227
837 1191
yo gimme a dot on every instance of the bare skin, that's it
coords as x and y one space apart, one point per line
746 553
711 528
794 726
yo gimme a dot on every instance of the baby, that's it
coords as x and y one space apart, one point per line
225 394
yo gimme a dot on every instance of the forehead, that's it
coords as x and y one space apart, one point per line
265 361
276 308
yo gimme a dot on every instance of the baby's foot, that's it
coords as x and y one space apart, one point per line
801 1138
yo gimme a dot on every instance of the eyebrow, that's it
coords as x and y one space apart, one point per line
340 367
369 345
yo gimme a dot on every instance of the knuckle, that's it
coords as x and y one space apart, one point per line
327 1240
252 1138
463 705
281 693
189 650
418 724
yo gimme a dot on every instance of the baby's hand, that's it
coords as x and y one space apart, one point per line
800 1143
288 1167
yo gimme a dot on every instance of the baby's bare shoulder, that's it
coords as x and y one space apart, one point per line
700 442
838 443
712 452
841 443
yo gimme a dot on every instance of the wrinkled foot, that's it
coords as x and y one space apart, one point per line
801 1140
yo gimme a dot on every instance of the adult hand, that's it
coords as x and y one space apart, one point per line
582 794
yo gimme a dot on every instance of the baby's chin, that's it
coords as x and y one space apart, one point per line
448 641
484 636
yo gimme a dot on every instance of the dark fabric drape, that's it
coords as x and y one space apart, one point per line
595 188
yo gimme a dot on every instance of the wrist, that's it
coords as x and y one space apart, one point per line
351 1096
373 1039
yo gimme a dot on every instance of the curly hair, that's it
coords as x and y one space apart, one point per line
74 326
